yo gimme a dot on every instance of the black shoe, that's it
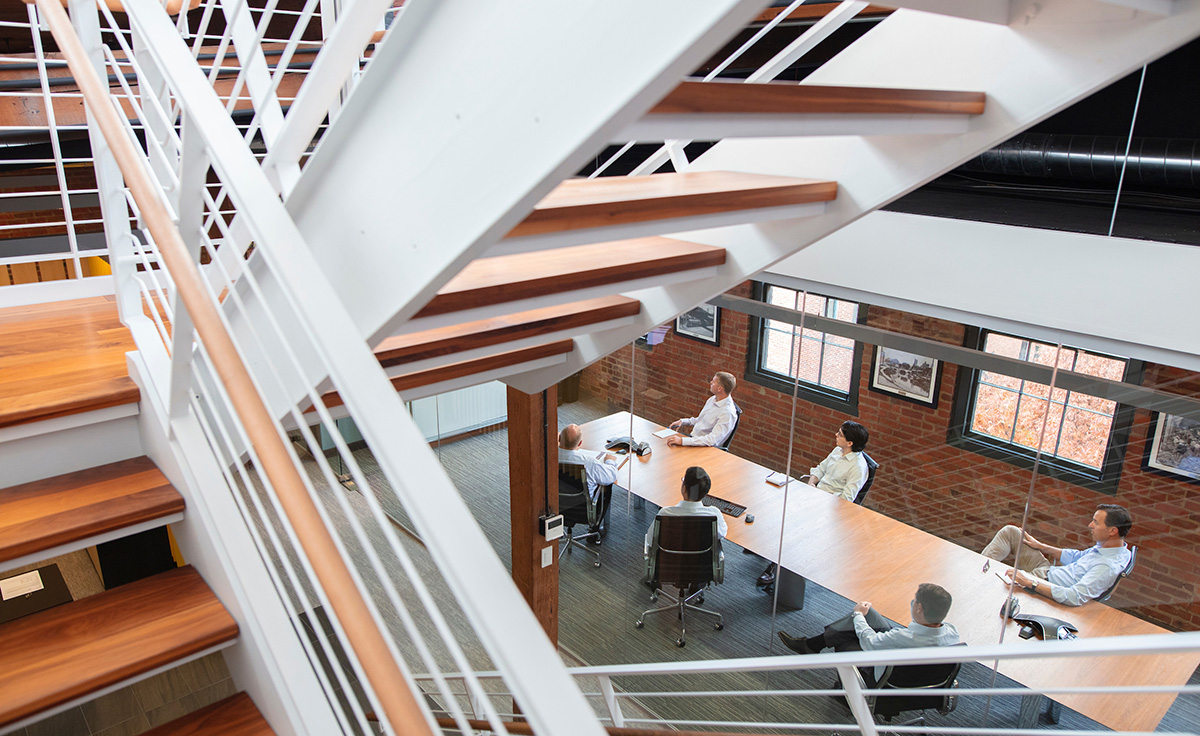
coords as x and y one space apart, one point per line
768 576
797 644
770 589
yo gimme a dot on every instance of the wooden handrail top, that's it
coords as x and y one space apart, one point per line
47 513
725 97
616 200
70 651
814 12
501 279
415 346
234 716
524 729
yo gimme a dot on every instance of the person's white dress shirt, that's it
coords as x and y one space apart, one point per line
689 508
600 471
1084 574
841 475
915 635
716 421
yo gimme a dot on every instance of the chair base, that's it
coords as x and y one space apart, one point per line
569 541
680 604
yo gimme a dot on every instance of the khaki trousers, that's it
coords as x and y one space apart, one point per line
1006 543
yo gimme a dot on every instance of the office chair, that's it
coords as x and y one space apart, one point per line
685 553
578 507
872 466
1121 576
911 677
736 423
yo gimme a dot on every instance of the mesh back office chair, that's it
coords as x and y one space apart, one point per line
872 466
685 553
578 507
1121 576
736 423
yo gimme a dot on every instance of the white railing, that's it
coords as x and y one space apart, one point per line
300 351
639 684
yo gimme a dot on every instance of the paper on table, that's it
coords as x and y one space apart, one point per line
30 582
662 434
778 479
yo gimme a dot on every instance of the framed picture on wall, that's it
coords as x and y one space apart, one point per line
1174 446
702 323
906 375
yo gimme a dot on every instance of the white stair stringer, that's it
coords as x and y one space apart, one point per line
466 117
1058 51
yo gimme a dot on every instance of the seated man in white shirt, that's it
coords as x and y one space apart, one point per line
601 469
695 487
1070 576
844 471
717 419
866 630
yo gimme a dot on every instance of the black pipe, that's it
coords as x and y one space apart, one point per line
1153 162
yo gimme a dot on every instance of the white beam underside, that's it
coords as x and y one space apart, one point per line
988 11
432 174
708 127
1012 278
477 378
566 238
1059 52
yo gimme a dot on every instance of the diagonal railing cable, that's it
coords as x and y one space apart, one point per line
368 642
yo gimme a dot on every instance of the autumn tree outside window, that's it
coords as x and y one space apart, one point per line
1002 416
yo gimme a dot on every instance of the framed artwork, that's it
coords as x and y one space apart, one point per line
906 375
1174 446
702 323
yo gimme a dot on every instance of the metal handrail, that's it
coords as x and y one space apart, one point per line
365 638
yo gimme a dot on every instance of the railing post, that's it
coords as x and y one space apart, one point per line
858 701
610 700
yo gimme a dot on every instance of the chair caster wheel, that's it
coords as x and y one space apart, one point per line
654 596
597 563
718 627
639 624
680 643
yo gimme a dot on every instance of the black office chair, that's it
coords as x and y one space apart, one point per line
872 466
736 423
685 553
1121 576
578 507
913 677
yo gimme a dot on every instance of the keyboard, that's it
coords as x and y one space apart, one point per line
728 508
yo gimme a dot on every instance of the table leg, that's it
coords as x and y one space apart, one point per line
1031 706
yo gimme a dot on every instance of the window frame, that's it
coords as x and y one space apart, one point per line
815 393
1105 480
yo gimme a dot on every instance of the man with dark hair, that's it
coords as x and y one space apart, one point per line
696 485
866 630
844 471
716 420
1070 576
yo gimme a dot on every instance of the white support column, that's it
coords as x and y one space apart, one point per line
192 180
857 701
255 74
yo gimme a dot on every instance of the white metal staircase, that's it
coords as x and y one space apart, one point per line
433 231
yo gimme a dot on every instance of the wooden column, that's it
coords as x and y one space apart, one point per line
533 491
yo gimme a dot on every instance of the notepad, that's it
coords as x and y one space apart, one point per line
779 479
30 582
662 434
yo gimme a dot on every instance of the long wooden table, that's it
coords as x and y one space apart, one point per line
864 555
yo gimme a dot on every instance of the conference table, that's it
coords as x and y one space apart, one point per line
864 555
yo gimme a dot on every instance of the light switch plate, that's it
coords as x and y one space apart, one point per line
547 556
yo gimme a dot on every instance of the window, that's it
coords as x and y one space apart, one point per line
1003 416
826 364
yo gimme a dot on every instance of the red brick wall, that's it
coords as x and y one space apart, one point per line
953 493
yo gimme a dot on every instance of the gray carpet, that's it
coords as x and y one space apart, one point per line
598 607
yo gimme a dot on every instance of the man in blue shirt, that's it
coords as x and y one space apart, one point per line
1070 576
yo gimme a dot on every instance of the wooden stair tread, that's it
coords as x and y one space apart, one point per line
47 513
234 716
67 652
788 98
63 358
489 281
415 346
617 200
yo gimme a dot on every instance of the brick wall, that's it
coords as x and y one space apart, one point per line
953 493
